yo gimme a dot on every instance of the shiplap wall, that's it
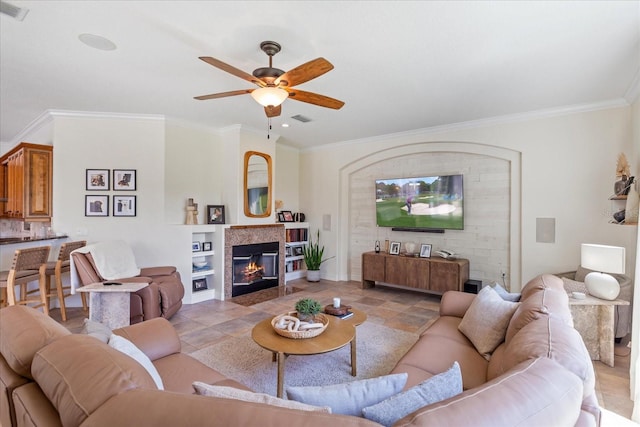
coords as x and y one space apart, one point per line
485 238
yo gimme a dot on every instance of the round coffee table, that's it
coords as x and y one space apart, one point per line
339 333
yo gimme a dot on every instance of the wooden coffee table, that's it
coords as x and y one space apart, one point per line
339 333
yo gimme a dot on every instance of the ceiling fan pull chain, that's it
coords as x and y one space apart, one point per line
269 128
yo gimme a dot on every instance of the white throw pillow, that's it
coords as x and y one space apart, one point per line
507 296
350 398
437 388
205 389
127 347
486 320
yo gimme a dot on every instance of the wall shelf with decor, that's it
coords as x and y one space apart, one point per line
203 283
296 237
619 203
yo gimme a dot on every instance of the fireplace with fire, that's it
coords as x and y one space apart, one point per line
255 267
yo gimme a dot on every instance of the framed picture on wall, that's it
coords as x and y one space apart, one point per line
97 179
124 205
124 179
96 205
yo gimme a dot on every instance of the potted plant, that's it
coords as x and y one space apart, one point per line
313 258
307 308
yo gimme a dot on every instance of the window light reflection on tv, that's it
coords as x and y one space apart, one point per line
429 202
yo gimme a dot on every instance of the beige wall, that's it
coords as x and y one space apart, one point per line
567 173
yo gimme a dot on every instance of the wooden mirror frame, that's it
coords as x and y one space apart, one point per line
247 210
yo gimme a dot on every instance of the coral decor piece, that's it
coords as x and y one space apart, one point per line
622 167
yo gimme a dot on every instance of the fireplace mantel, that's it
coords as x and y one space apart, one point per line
249 234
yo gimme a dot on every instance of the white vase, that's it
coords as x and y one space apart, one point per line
313 275
631 209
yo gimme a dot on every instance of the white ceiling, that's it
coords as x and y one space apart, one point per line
399 65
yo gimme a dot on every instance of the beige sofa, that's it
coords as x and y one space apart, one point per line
541 374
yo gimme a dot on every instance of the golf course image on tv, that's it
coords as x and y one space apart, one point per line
429 202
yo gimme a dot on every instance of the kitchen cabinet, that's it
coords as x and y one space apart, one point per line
26 174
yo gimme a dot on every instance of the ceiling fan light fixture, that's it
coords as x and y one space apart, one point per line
267 96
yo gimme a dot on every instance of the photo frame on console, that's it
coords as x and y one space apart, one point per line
395 248
425 250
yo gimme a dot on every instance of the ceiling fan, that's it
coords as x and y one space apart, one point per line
275 84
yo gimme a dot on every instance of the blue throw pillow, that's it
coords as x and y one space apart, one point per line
437 388
507 296
350 398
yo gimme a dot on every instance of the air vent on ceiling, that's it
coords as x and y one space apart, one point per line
13 11
301 118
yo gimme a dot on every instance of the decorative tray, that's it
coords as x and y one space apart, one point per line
281 324
340 311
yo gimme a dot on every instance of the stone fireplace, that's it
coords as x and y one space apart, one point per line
253 258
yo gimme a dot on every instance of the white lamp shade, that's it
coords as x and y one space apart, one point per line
267 96
602 258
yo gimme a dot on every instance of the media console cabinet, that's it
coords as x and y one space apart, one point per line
434 275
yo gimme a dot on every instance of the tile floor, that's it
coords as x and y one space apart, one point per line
208 322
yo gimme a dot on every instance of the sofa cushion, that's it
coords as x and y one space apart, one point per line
29 331
127 347
436 351
78 374
350 398
505 295
485 322
551 338
435 389
574 286
249 396
541 297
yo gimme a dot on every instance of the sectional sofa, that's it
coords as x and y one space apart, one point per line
539 373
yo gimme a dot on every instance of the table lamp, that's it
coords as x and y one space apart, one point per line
603 259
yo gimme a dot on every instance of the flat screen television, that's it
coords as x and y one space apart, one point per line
420 203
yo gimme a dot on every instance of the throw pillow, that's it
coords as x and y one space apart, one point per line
127 347
350 398
437 388
507 296
485 322
96 330
205 389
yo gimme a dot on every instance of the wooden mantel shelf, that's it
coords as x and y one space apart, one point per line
256 226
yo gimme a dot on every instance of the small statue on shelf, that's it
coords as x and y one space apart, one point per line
192 213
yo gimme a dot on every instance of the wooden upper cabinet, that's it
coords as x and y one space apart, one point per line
27 172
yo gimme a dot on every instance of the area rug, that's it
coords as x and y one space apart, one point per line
264 295
378 350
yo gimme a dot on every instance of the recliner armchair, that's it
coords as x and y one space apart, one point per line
162 298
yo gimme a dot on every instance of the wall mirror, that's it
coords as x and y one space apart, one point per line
257 184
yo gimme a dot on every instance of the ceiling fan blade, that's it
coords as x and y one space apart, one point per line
272 111
233 70
305 72
223 94
314 98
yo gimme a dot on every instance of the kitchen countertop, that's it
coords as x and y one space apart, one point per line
14 240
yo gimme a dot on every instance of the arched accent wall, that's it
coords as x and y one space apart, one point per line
491 239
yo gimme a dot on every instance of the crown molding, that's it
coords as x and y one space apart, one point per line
480 123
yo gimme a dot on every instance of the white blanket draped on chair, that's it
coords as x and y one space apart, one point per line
113 260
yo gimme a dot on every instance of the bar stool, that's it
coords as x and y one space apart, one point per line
55 269
28 265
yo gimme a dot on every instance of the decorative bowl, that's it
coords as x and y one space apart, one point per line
299 334
199 264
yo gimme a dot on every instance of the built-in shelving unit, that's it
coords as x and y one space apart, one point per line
204 256
619 203
296 237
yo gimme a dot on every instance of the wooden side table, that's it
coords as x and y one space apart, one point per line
594 319
111 304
